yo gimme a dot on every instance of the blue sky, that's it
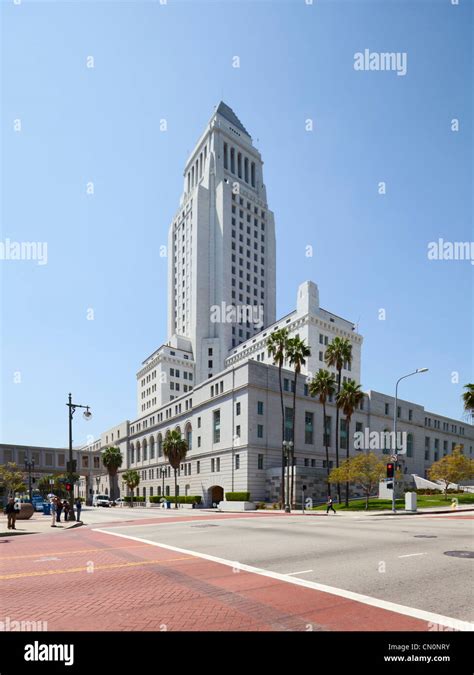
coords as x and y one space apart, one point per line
174 62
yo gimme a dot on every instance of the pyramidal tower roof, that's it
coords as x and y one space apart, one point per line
227 112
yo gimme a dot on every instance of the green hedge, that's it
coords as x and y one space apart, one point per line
188 499
432 491
237 496
135 499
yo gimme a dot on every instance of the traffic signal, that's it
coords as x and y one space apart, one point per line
68 487
390 469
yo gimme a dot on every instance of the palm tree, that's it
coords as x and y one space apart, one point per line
337 354
324 386
277 345
131 478
296 352
468 399
347 400
175 449
112 459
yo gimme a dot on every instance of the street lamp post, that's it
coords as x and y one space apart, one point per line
395 417
288 447
162 471
87 415
29 467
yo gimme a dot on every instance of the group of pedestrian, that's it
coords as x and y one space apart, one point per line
58 506
12 509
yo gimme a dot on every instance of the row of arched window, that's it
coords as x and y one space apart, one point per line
147 449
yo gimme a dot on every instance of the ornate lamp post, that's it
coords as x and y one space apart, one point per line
287 447
71 465
29 467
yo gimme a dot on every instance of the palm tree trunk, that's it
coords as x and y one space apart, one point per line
131 500
175 490
326 446
293 438
348 421
282 487
337 433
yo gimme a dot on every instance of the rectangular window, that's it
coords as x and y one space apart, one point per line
218 464
288 423
260 462
308 428
410 415
387 409
217 426
260 408
237 408
199 422
237 461
213 465
327 432
260 430
199 441
237 431
286 384
343 434
198 466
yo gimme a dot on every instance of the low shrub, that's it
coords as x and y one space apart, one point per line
185 499
135 499
237 496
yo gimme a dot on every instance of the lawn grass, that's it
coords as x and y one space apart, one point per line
423 502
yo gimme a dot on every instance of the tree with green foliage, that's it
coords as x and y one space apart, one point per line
12 479
452 469
277 345
297 351
363 470
112 459
468 399
175 449
323 385
131 478
338 355
348 399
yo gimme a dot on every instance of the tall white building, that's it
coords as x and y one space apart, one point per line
221 253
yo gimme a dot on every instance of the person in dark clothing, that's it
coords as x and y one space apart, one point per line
66 508
329 505
11 512
78 509
59 509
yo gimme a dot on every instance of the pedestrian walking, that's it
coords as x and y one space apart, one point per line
78 509
66 508
11 512
59 509
53 511
329 505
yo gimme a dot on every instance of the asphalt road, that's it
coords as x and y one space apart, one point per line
398 559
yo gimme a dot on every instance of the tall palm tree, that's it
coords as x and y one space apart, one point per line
277 345
337 354
175 449
347 400
468 399
324 385
296 352
112 459
131 478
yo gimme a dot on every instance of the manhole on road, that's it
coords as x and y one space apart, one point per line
460 554
426 536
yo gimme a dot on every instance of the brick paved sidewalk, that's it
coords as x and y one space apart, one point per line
118 584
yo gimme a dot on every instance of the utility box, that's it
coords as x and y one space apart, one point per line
410 501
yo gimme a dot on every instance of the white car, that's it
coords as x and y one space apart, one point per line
100 500
120 501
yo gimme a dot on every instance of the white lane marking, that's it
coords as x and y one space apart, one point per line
178 522
410 555
302 572
46 559
421 614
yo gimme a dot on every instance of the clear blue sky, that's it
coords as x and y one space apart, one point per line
175 62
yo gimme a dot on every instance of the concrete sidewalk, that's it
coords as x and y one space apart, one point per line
37 524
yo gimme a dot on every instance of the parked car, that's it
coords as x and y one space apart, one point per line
120 501
100 500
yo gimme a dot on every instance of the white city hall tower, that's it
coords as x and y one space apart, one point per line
221 248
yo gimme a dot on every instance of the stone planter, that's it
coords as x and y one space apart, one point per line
26 511
236 506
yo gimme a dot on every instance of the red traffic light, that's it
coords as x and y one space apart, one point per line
68 487
390 470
